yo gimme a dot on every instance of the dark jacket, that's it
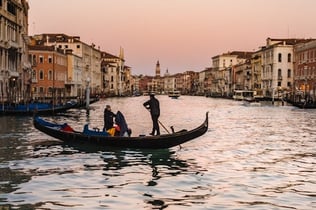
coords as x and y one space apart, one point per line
153 105
108 119
120 121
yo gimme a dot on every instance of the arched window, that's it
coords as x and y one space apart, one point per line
289 57
41 74
279 74
50 75
280 57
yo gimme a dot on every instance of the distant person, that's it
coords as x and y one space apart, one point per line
153 105
108 118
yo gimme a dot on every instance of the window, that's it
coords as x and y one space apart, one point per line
41 74
289 57
279 72
50 75
289 84
78 46
11 8
66 46
41 59
34 60
33 74
289 73
280 57
279 84
0 3
111 78
50 59
41 90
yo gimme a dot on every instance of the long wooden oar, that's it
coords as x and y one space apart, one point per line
163 127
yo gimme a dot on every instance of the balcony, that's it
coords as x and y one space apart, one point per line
13 74
13 44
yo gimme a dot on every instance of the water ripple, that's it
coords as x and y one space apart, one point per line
250 158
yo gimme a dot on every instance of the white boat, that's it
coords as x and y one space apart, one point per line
174 94
244 95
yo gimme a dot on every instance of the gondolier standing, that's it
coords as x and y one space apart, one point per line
153 105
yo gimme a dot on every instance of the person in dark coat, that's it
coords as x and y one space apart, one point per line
108 118
153 105
121 122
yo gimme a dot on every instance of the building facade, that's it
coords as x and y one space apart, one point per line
304 88
49 73
15 68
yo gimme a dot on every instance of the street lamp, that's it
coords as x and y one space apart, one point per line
88 92
305 83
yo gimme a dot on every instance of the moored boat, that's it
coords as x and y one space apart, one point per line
66 134
38 108
174 94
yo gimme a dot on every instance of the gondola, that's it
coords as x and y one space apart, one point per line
66 134
32 108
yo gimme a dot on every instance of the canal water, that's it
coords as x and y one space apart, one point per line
252 157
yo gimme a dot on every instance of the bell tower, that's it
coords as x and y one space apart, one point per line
157 69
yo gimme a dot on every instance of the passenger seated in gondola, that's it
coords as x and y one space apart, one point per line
123 129
108 118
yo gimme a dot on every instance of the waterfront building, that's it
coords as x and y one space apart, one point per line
278 67
304 88
209 80
223 72
116 78
73 84
15 68
89 54
242 79
201 82
256 69
189 80
49 73
169 82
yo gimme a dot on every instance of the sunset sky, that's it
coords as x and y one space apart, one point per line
182 34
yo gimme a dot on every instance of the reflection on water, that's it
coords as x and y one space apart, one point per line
251 158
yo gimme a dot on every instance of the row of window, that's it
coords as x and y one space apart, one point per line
306 56
41 90
289 57
306 71
50 59
41 59
268 72
41 75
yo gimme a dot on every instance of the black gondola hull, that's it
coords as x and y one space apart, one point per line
142 142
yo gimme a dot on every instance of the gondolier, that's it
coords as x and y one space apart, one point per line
153 105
